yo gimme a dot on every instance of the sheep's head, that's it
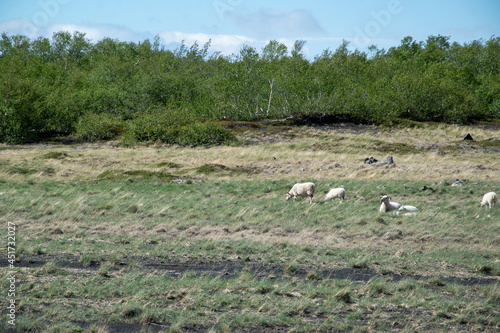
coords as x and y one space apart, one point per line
288 195
385 198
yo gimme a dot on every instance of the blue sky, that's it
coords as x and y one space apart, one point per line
230 24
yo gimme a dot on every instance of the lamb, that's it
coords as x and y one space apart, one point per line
387 205
489 199
335 193
302 190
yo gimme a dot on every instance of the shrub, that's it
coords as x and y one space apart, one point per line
164 126
176 127
17 126
95 127
204 134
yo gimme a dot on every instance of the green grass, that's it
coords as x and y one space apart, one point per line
259 207
217 222
216 247
130 175
219 169
128 295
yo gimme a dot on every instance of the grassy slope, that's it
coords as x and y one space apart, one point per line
102 233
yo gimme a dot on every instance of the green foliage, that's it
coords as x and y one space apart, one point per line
164 127
69 85
95 127
204 134
175 127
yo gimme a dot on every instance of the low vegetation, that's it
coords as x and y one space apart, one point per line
167 238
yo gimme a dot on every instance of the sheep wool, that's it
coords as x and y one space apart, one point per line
335 193
305 190
387 205
490 199
408 208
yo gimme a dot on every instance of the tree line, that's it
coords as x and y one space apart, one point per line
68 85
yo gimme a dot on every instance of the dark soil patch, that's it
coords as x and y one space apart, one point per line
326 119
231 269
121 327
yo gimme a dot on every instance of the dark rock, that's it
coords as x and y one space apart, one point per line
57 231
390 161
468 137
425 188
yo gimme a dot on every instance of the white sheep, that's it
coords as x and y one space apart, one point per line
387 205
408 208
335 193
489 199
302 190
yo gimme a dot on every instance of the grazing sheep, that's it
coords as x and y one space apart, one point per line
335 193
489 199
387 205
302 190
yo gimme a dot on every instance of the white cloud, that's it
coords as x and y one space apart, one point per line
94 32
266 23
226 44
232 44
100 31
470 33
20 27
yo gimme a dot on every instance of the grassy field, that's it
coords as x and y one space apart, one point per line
167 239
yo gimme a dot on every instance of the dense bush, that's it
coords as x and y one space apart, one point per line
204 134
94 127
175 127
69 85
157 126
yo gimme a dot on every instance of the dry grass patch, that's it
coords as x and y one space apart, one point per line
317 153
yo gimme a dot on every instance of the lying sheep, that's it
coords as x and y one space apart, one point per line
335 193
408 208
489 199
387 205
302 190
